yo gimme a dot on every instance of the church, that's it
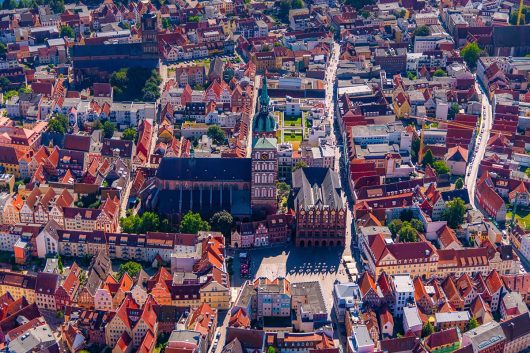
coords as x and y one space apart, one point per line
245 187
96 62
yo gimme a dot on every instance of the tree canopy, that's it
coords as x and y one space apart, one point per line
470 53
422 31
67 31
428 158
132 268
192 223
525 16
459 183
58 123
441 167
129 134
453 110
407 234
134 84
147 222
216 134
222 221
472 324
299 164
108 129
440 73
427 330
454 212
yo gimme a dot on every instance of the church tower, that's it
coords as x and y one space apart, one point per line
150 34
264 158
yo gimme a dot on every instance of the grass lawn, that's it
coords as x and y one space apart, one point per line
522 217
289 136
291 120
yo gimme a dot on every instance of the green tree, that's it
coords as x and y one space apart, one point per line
454 212
525 17
427 330
271 349
130 224
470 53
149 222
132 268
57 6
418 225
108 129
3 50
151 90
67 31
439 73
285 6
297 4
411 75
453 110
527 172
166 23
216 134
415 148
283 194
459 184
222 221
58 123
441 167
395 226
365 14
407 234
4 83
195 18
9 4
472 324
422 31
359 4
60 264
192 223
299 164
428 158
129 134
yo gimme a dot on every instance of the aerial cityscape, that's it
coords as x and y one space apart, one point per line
251 176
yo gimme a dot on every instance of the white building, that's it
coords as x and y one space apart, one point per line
404 292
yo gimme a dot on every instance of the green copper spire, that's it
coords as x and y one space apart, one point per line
264 97
264 121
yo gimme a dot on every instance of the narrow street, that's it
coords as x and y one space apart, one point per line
480 147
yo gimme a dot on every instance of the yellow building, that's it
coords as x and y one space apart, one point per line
401 105
216 295
417 259
18 285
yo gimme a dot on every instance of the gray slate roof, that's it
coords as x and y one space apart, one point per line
315 186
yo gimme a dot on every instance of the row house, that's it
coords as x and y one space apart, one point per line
112 292
66 292
100 267
190 75
132 323
105 218
45 287
275 229
18 285
142 247
418 259
90 323
41 206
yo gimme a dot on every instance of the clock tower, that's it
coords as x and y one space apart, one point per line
264 158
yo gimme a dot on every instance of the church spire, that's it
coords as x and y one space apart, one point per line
264 97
